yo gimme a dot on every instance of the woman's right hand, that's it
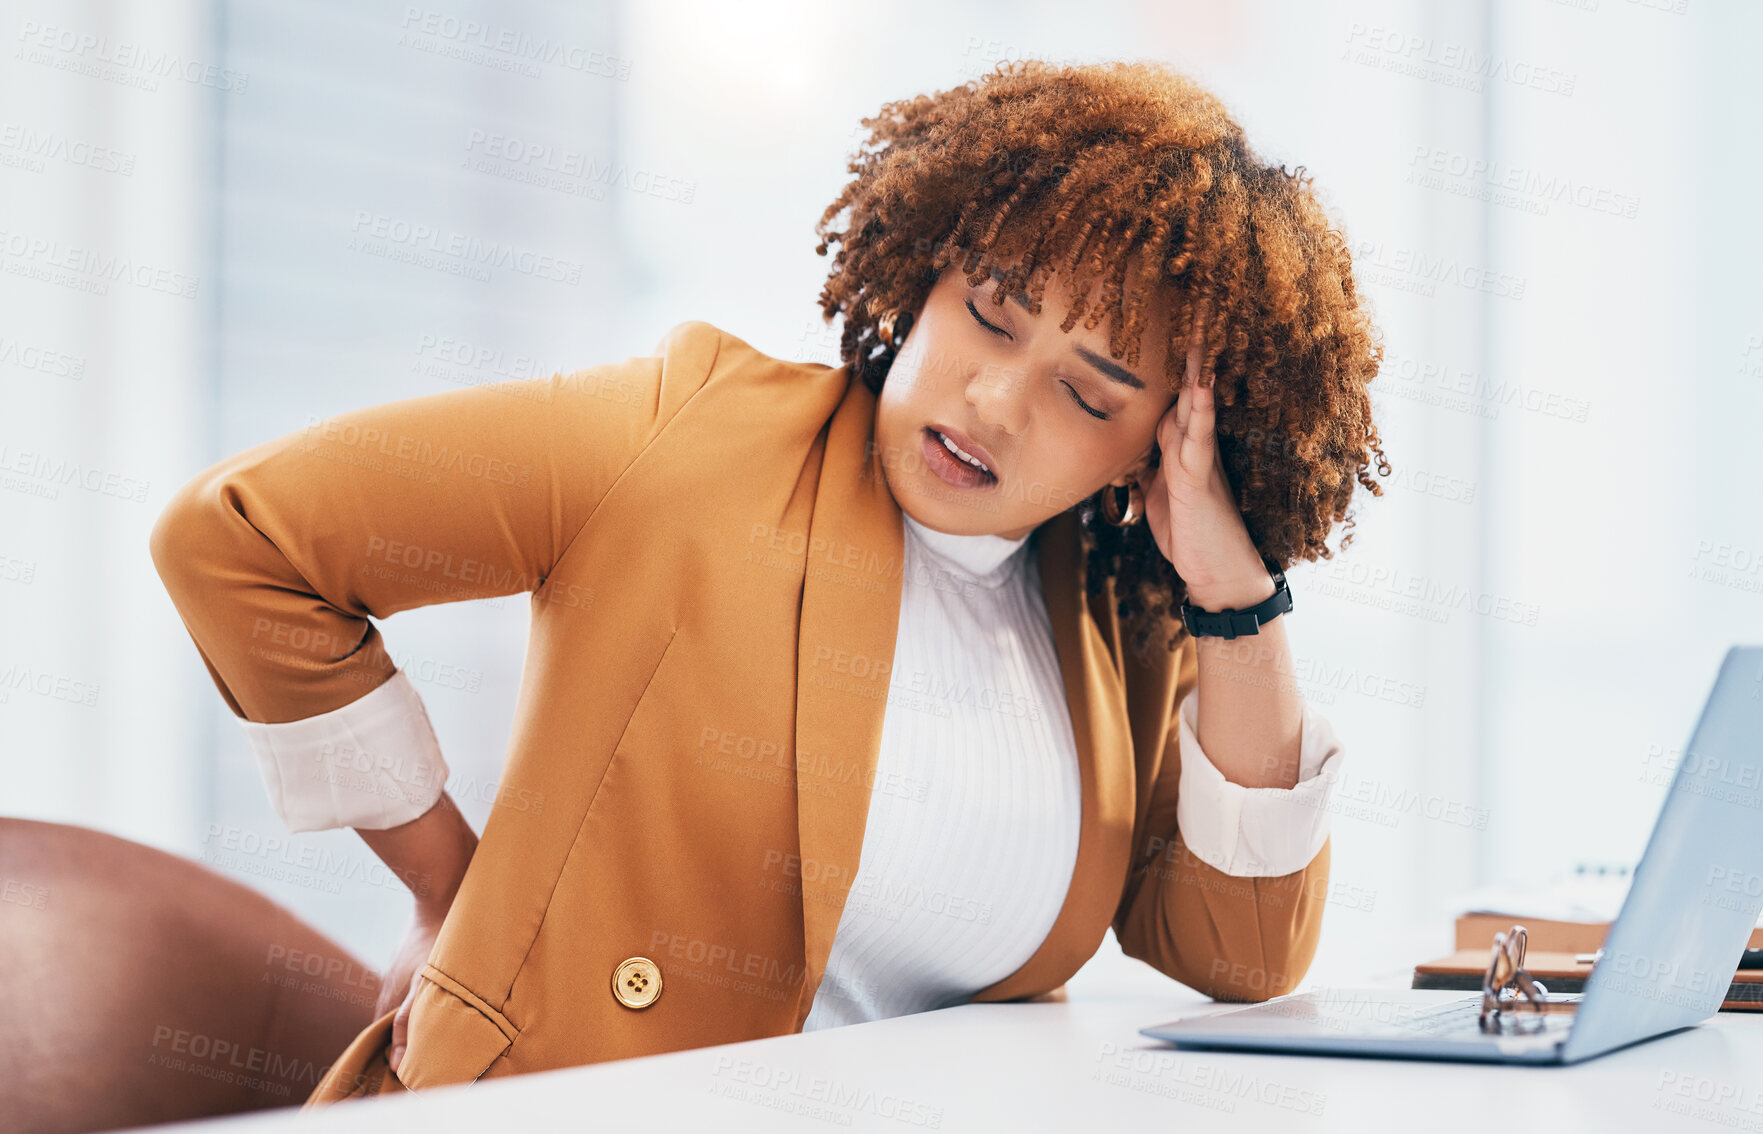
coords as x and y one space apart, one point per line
430 854
398 986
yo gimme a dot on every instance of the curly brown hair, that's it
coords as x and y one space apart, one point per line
1035 168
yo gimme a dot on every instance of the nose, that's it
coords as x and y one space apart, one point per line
999 397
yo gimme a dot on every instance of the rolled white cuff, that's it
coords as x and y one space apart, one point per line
1255 832
372 763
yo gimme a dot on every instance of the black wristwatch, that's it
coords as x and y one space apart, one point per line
1239 623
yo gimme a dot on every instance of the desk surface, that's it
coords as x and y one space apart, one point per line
1077 1064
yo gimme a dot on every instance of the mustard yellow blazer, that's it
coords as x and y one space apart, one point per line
714 561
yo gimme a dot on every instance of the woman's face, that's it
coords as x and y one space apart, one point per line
1009 394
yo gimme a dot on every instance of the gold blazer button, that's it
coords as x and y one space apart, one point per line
636 982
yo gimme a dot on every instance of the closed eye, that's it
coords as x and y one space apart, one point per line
981 320
1084 404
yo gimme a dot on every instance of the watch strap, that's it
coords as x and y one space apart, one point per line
1239 623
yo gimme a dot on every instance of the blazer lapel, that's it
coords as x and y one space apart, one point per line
849 621
850 617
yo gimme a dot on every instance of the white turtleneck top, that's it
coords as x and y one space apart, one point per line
958 883
959 879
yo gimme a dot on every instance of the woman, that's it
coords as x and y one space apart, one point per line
850 691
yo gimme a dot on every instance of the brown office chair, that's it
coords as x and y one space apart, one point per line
141 987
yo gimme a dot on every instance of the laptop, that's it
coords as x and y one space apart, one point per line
1667 960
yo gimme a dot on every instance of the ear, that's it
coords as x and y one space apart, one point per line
1142 468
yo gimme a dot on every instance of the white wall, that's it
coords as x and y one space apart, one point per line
107 291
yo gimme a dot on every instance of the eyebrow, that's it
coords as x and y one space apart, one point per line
1100 361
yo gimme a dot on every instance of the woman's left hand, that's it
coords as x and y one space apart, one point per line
1190 508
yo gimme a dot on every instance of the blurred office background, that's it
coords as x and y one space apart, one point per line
220 221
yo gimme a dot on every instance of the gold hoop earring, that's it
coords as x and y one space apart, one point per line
1111 505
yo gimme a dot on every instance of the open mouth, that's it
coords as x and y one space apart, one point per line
953 465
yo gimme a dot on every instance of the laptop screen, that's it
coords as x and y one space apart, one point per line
1670 955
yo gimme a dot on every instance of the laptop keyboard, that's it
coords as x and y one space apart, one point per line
1465 1015
1452 1017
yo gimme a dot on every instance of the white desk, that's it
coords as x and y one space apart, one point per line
1078 1065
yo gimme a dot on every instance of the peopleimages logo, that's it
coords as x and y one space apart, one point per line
1421 272
1407 593
1517 186
463 248
99 56
476 41
86 269
1447 63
